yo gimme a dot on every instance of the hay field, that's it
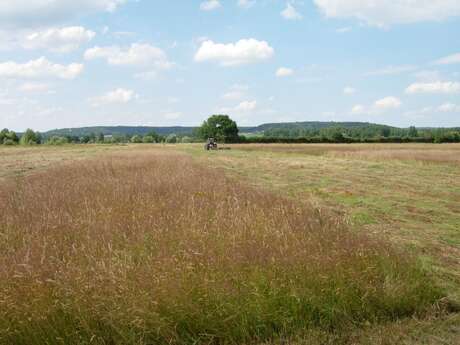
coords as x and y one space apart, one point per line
166 245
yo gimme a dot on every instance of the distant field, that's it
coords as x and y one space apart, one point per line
411 192
262 244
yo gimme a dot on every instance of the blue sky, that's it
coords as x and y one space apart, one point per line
136 62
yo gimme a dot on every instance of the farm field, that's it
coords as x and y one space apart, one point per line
261 244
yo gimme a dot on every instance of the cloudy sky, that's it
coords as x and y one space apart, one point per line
67 63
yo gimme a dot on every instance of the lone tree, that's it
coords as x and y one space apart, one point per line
220 127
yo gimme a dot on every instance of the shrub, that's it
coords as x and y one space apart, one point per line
186 140
148 139
171 139
136 139
9 142
55 140
30 138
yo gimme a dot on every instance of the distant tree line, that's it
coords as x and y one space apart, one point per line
30 137
365 134
224 129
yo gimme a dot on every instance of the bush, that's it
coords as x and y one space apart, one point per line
9 142
136 139
30 138
171 139
186 140
55 140
148 139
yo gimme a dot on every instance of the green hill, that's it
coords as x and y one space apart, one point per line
142 130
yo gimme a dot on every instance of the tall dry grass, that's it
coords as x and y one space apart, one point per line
154 249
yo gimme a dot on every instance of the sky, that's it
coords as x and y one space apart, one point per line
67 63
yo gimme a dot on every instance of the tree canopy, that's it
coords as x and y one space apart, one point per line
220 127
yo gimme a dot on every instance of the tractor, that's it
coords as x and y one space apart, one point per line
211 144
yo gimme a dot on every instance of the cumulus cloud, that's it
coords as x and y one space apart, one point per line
388 103
385 13
210 5
348 90
172 115
448 60
379 106
32 87
290 13
246 3
241 109
343 30
236 92
449 108
434 87
117 96
428 75
429 111
284 72
246 106
393 70
135 55
40 68
62 40
39 12
244 51
358 109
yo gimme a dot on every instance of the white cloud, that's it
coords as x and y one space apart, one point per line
135 55
173 100
343 30
419 114
246 106
348 90
448 60
246 3
244 51
428 111
284 72
428 76
434 87
117 96
242 109
384 12
32 87
62 40
393 70
449 108
380 106
290 13
172 115
40 68
39 12
210 5
358 109
236 92
388 103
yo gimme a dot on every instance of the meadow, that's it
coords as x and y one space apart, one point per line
261 244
